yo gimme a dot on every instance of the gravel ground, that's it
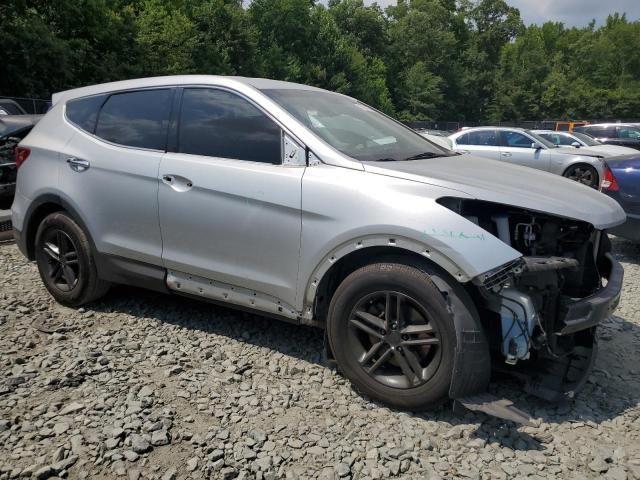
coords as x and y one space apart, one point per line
142 385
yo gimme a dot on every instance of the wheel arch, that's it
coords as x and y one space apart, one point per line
350 256
39 210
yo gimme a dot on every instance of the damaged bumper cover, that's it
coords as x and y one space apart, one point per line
590 311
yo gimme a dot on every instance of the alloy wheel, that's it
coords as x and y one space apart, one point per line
61 259
394 339
583 175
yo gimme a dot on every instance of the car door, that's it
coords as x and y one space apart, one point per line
110 169
515 147
482 143
230 210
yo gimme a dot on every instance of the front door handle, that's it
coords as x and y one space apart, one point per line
77 164
506 154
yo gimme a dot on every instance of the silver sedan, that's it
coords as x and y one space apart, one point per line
526 148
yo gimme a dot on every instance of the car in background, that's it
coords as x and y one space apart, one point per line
439 137
622 183
13 128
11 107
523 147
579 140
624 134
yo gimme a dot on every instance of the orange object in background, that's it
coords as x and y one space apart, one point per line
568 126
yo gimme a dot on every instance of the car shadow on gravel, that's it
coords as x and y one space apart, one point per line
606 396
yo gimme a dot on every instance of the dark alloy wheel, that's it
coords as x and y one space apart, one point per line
66 262
394 340
585 174
393 335
61 266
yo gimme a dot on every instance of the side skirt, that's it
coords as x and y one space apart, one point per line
224 293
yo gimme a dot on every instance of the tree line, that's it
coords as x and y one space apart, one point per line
457 60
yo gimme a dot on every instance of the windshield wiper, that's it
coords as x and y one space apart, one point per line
423 155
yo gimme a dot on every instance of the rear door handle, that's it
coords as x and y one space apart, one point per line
77 164
506 154
178 183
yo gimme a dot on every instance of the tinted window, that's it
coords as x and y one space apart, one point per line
600 132
486 138
216 123
136 119
515 140
629 132
83 112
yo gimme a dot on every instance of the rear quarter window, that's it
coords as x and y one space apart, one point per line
83 112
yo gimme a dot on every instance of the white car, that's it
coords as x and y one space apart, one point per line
524 147
580 140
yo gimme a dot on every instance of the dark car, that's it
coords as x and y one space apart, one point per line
622 183
13 128
625 134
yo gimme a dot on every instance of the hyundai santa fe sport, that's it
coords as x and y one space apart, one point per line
426 268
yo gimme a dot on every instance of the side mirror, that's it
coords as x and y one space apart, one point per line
293 154
537 146
576 144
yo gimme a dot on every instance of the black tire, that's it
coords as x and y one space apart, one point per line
584 174
65 261
423 307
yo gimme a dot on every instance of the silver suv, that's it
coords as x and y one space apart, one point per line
425 267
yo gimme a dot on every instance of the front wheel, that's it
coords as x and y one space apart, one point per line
392 335
65 262
585 174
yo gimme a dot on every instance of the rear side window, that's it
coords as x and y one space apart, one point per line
136 119
600 132
221 124
486 138
83 112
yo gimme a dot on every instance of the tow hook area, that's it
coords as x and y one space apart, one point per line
494 406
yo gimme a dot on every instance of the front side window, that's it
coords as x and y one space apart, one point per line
354 128
83 112
629 132
217 123
136 119
516 140
561 139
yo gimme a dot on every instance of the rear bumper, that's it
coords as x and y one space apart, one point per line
590 311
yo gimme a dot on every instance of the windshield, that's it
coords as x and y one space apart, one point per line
541 139
354 128
586 139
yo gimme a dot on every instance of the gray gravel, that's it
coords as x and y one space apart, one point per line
149 386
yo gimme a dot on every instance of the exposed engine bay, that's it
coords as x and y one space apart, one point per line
540 311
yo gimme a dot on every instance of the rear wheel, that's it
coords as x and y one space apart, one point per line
65 261
585 174
392 335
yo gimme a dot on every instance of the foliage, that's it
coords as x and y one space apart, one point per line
419 59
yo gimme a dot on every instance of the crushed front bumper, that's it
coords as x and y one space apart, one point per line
590 311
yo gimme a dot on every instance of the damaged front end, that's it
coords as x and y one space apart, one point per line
540 312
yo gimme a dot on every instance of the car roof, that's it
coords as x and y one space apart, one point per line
609 125
177 80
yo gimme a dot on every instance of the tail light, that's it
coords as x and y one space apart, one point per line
609 182
22 153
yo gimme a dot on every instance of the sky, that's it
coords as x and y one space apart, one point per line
573 13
